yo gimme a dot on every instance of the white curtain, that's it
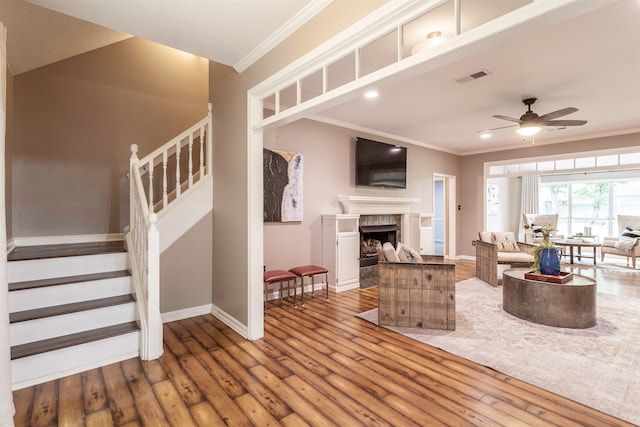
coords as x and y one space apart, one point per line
6 397
528 199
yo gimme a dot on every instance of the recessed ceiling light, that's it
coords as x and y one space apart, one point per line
485 135
370 94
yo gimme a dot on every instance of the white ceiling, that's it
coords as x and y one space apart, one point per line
591 62
231 32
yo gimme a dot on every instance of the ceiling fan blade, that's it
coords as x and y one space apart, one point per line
558 113
498 128
511 119
564 122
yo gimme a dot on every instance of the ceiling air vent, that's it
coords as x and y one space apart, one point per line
473 76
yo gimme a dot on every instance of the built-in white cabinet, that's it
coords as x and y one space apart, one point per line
426 234
341 250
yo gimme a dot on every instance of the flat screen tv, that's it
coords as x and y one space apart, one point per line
380 165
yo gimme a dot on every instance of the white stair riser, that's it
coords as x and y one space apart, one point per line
37 269
50 327
48 296
40 368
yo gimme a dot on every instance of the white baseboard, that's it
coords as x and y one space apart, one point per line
61 240
466 257
230 321
172 316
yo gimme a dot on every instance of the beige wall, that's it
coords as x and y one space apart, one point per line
471 191
229 97
185 269
328 171
74 122
8 150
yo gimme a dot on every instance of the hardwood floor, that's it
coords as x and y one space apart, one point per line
317 365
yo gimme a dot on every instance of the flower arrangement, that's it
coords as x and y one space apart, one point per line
547 228
545 244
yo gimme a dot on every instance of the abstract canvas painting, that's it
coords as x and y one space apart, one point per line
282 175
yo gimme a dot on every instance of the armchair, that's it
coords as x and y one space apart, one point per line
413 293
529 220
626 246
499 251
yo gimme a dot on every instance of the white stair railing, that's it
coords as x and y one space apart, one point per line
143 240
183 161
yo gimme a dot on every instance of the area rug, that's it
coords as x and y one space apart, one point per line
598 367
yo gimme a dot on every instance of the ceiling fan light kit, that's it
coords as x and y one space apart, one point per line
528 129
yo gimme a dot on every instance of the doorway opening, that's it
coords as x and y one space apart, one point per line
444 215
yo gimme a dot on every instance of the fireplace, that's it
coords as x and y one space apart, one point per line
371 236
375 230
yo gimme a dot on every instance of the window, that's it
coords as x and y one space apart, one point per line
589 204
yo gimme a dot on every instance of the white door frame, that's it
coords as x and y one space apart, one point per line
450 214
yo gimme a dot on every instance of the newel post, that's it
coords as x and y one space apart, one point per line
210 140
154 337
133 161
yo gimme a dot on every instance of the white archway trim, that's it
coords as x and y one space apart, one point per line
391 16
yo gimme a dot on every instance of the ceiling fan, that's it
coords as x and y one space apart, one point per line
531 123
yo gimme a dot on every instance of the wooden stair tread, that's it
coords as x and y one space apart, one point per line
57 343
22 253
31 284
57 310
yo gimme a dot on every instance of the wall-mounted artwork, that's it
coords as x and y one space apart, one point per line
282 175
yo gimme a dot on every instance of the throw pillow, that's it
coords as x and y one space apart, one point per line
506 241
407 254
390 252
403 255
630 232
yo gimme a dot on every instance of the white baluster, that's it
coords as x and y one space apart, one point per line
210 140
165 195
150 185
178 188
190 160
202 152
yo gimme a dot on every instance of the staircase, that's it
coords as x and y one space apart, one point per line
74 307
71 309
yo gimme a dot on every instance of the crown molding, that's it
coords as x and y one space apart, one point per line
301 18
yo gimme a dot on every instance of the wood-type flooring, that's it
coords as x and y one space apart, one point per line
317 365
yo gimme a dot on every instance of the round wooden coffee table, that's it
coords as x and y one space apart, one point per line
566 305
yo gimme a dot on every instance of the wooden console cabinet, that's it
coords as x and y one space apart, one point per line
417 295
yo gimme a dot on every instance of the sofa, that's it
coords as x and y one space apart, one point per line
626 244
499 251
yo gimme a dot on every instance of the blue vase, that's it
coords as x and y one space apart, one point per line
549 261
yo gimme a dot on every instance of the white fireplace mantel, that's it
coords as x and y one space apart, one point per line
369 205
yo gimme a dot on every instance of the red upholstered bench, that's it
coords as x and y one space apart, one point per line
275 276
310 271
